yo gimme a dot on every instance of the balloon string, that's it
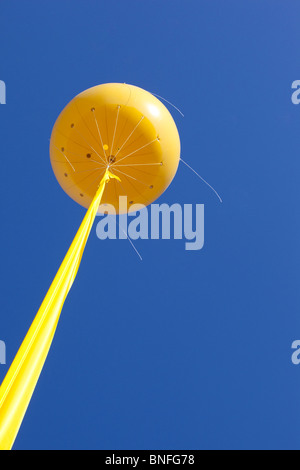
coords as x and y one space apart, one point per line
91 169
130 241
204 181
72 154
126 174
77 156
113 141
141 148
169 102
65 158
135 189
83 179
90 160
94 113
138 164
119 150
79 133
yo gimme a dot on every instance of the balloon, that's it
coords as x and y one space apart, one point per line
124 128
109 141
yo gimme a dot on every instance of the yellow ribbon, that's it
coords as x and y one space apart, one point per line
19 384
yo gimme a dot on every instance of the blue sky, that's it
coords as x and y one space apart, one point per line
185 350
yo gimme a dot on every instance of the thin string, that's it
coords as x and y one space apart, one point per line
169 102
80 162
113 141
145 172
97 179
83 158
87 127
148 174
204 181
94 113
71 140
65 157
83 179
130 135
130 241
139 164
90 160
141 148
129 176
90 146
90 170
136 191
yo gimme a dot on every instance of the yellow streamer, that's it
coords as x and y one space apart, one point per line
19 384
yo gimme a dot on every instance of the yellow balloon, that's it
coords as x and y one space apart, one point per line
120 127
112 140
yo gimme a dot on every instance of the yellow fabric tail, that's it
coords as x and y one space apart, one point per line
19 384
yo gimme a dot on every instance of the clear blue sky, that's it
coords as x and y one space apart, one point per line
185 350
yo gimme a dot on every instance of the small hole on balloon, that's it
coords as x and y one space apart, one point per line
66 175
88 155
72 125
151 187
81 195
62 149
131 202
93 110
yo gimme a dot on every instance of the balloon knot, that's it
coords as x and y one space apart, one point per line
110 175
